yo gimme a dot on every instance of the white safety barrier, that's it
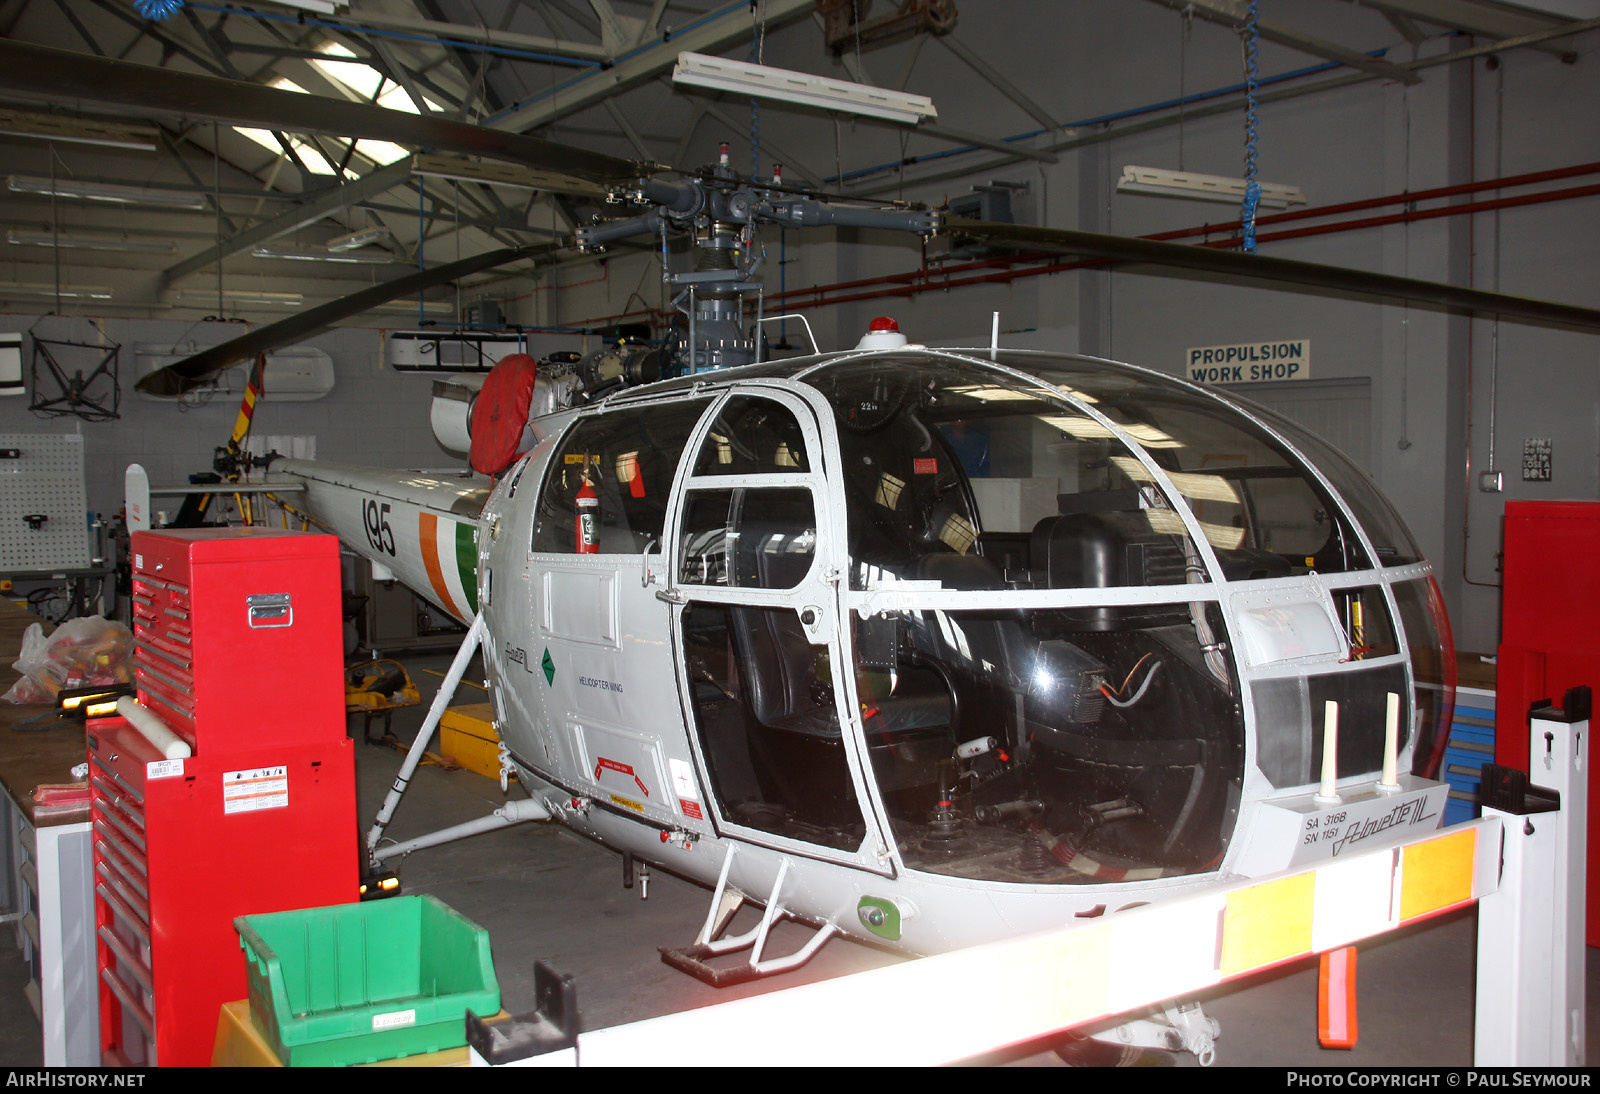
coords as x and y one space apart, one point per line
1037 986
1530 934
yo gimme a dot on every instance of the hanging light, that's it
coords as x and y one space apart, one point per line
766 82
1190 184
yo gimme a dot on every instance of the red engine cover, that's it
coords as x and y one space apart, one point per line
500 414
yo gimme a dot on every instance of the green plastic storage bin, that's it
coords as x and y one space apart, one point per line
355 983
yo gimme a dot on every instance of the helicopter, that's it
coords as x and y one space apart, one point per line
920 646
929 646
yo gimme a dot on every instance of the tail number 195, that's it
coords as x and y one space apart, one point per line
375 516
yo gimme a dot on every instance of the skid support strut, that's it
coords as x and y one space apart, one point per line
725 901
512 812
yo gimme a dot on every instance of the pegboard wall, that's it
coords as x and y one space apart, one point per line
41 474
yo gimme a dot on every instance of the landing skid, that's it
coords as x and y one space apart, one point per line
725 902
1176 1027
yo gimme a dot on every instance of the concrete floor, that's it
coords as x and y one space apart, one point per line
544 893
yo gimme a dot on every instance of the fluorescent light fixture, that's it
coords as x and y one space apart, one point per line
244 297
370 258
499 174
409 307
358 239
765 82
325 7
56 127
83 242
105 191
1188 184
12 290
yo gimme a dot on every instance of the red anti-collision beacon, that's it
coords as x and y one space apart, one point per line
882 333
588 530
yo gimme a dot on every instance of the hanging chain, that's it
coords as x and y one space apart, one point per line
1252 188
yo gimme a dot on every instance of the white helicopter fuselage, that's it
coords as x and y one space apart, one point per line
869 732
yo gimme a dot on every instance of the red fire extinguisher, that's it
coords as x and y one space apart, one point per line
588 519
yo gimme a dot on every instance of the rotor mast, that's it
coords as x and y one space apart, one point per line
720 213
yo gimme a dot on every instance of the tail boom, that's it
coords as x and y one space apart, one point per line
421 527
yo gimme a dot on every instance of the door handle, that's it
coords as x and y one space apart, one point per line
644 563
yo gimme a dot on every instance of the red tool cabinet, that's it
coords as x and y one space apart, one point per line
240 631
239 640
1548 642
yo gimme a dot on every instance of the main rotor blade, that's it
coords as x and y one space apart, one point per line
1255 267
61 77
201 368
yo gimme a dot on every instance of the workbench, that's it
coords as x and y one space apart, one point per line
46 888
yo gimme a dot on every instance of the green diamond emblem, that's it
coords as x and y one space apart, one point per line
549 667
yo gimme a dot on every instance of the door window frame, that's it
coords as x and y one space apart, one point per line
817 591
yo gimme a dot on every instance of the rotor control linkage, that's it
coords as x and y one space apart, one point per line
680 205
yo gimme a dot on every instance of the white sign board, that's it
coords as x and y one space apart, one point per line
1249 362
11 364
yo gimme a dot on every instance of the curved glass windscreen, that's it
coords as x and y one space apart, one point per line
1433 669
971 479
1021 746
1260 507
1390 538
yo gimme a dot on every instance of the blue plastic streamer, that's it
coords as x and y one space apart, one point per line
157 9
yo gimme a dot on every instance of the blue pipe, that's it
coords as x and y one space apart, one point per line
1103 119
514 107
502 51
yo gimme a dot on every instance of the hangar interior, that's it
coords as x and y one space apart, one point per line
1420 141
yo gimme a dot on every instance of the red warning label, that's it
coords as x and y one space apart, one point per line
926 466
621 769
691 809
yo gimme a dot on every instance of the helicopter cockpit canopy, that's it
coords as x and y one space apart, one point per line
1086 613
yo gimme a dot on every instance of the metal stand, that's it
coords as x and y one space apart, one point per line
1530 932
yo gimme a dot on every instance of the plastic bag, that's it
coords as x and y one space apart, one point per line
79 653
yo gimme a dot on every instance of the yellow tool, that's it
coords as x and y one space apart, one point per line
378 687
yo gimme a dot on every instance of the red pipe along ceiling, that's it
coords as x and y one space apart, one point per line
1034 264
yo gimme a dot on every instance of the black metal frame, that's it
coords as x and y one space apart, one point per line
75 399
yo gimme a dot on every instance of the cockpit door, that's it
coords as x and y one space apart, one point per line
753 576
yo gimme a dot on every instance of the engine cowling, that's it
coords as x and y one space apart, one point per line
450 415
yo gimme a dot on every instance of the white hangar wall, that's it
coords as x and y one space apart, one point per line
372 416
